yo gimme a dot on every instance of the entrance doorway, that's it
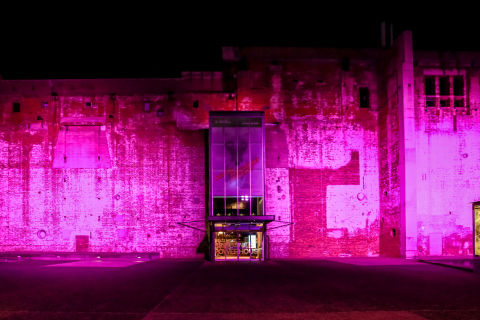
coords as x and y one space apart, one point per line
238 245
237 219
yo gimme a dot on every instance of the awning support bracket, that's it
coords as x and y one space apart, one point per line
281 226
185 224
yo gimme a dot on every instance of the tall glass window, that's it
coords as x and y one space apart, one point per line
236 163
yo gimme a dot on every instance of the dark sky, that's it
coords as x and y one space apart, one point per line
161 43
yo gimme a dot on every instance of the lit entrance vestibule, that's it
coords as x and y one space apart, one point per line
238 245
237 220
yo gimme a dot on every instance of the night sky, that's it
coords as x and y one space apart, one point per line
161 43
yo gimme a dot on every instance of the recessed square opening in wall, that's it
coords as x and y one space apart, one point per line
16 107
364 97
82 146
345 63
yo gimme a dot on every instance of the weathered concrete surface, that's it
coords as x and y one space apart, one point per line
321 149
448 158
137 166
154 177
395 179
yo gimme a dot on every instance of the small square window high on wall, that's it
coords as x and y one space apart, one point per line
444 91
364 97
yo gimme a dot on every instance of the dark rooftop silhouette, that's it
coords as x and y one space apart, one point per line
165 47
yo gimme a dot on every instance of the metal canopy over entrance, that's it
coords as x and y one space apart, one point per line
237 220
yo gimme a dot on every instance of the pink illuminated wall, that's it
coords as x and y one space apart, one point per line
156 179
427 190
321 161
321 152
448 162
394 179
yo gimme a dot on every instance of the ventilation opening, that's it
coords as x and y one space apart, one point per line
16 107
364 98
345 64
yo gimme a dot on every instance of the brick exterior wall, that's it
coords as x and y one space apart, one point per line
156 179
321 151
333 176
448 163
389 162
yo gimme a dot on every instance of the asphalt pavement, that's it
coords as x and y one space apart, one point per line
344 288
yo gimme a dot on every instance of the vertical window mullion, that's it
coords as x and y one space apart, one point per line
249 174
225 176
236 165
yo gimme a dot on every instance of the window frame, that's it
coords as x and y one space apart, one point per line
444 101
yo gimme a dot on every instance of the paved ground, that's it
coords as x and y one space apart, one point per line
282 289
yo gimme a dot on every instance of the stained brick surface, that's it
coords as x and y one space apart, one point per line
156 180
448 160
333 176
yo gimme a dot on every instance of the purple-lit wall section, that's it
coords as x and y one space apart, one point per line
321 151
155 180
448 162
395 179
429 158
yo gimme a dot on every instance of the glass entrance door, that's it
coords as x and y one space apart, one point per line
243 246
238 245
231 246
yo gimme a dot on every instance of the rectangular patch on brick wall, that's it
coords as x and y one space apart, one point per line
82 146
435 244
313 237
276 148
81 243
